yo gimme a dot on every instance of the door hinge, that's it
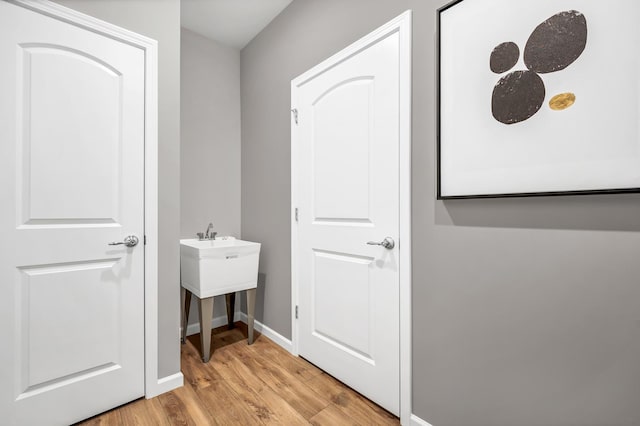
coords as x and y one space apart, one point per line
295 114
296 311
296 214
145 240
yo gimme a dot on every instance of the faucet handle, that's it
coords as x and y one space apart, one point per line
200 235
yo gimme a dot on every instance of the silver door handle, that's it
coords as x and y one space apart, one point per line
387 243
130 241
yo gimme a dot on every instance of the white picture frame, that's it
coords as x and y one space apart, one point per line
559 117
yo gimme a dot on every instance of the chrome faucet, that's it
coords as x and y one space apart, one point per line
208 235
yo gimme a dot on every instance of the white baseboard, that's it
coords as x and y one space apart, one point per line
417 421
220 321
165 384
277 338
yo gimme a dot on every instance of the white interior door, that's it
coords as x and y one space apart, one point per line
347 190
71 181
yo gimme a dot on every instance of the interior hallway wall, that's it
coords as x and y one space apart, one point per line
210 141
210 136
159 20
525 311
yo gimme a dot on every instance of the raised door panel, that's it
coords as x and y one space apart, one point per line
70 146
341 293
342 118
53 299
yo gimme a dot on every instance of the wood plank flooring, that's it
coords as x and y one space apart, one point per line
261 384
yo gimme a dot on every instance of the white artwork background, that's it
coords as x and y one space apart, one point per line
592 145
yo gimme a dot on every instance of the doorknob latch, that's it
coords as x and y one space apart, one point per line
387 243
130 241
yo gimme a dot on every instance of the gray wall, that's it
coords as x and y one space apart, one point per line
210 130
210 145
160 20
525 311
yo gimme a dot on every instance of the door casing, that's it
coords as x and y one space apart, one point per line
402 25
153 385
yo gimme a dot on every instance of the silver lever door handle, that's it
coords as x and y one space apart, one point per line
387 243
130 241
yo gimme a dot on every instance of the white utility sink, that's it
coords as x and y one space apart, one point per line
213 267
210 268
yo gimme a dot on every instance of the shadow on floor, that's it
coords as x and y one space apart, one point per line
222 336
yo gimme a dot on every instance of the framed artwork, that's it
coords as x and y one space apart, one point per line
538 97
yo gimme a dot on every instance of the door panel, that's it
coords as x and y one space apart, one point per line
342 125
89 129
71 181
44 325
347 143
349 277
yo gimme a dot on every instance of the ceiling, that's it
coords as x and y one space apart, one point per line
232 23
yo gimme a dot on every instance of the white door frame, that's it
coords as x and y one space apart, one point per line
402 25
153 385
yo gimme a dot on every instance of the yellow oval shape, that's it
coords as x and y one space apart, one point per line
562 101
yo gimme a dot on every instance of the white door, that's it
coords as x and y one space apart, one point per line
71 181
346 183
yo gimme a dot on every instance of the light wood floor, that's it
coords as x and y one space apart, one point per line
249 385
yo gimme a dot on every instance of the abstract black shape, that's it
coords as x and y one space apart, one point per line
517 96
556 43
504 57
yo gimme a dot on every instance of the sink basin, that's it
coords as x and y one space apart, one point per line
212 267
